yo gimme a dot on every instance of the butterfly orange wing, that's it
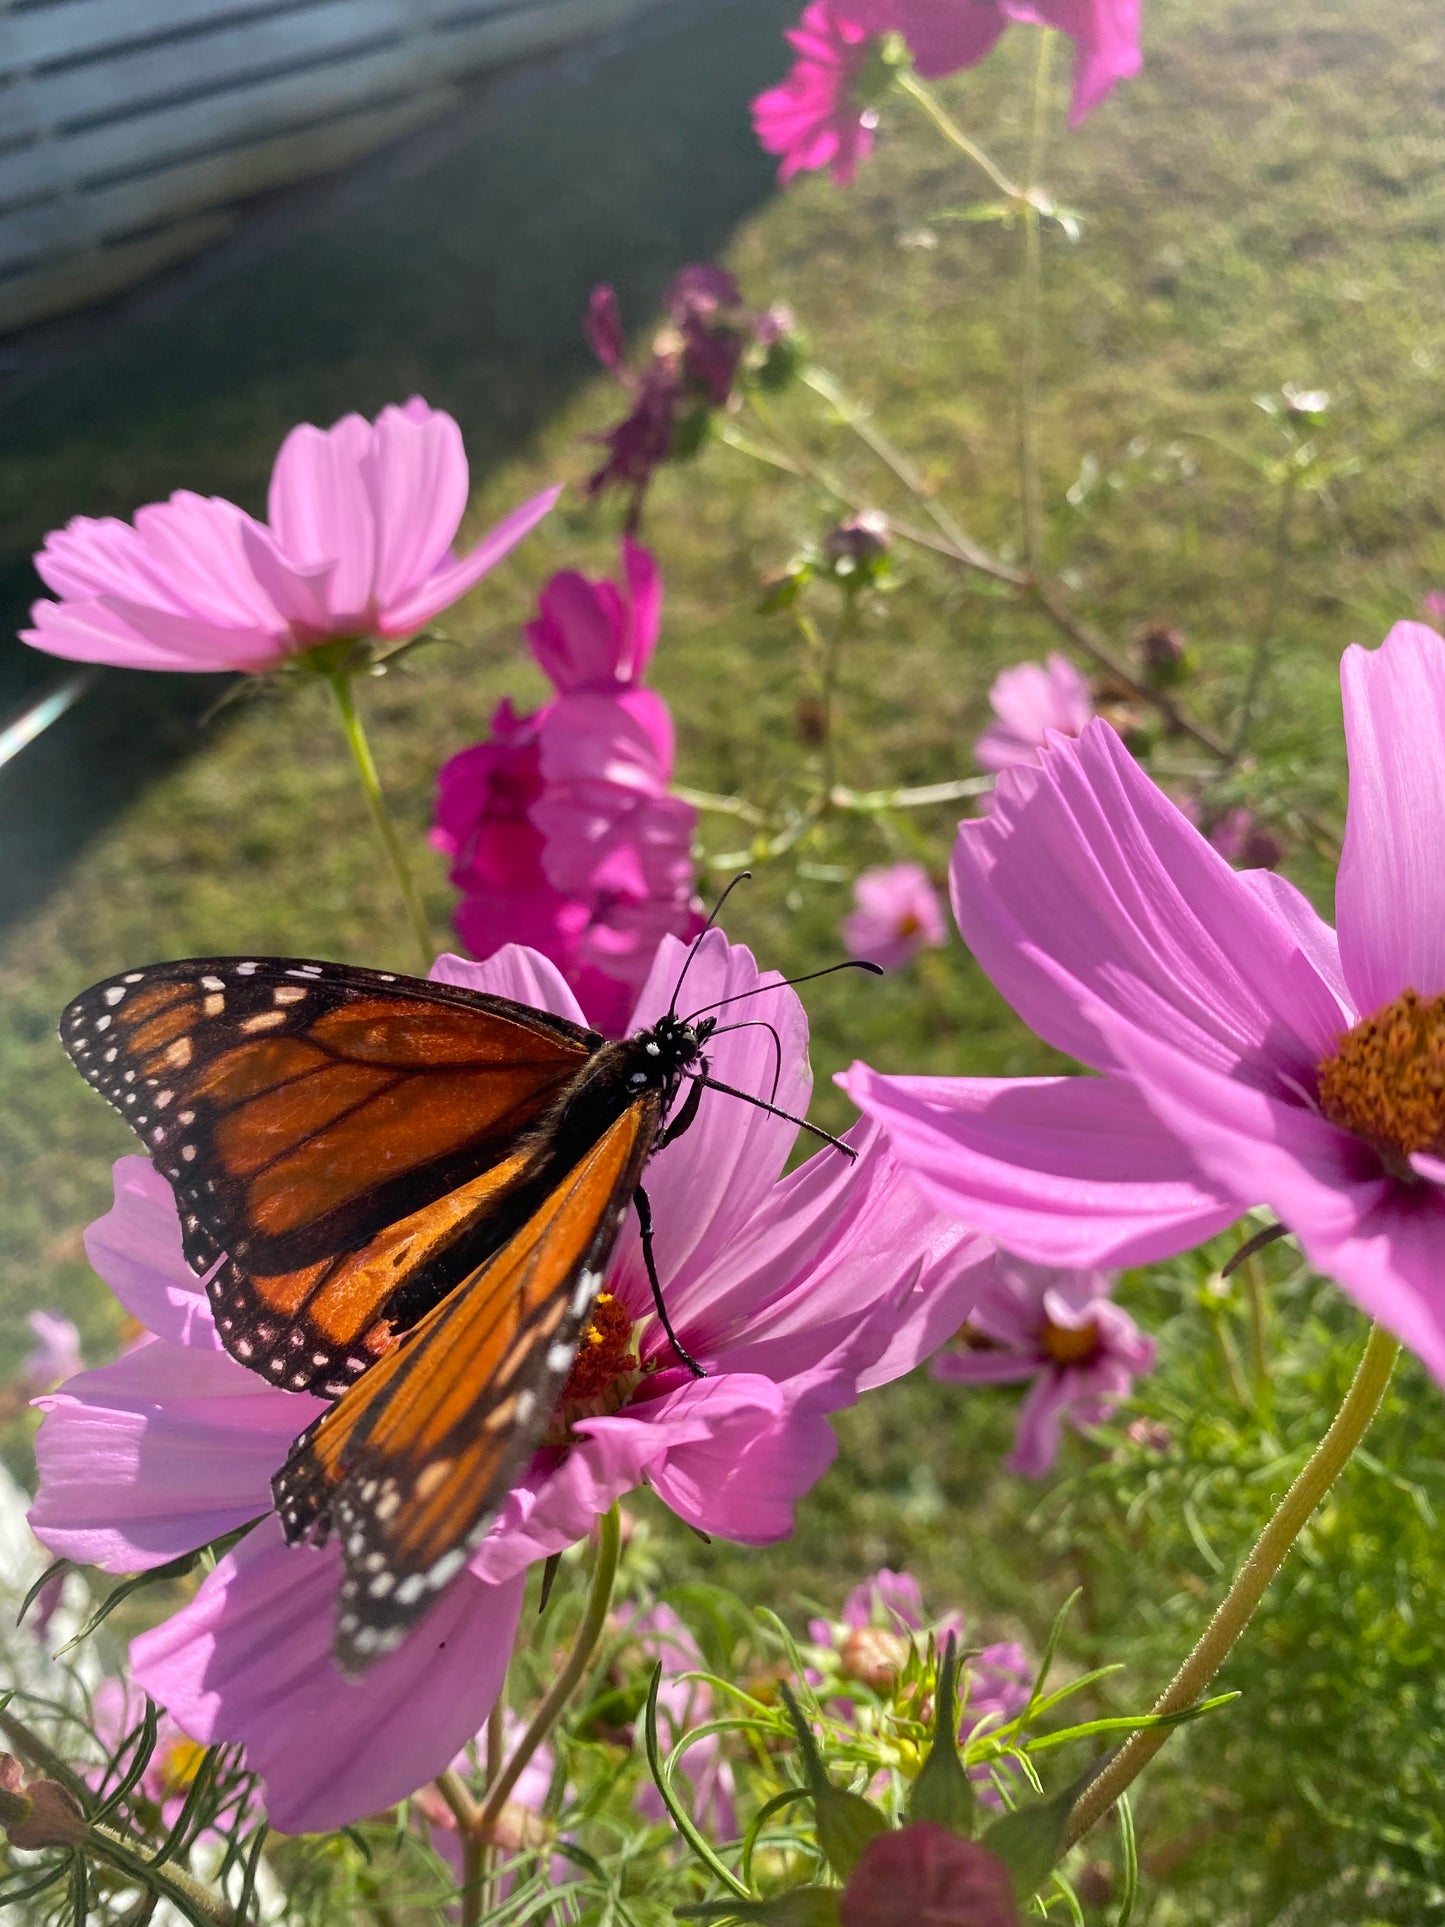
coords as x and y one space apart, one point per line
353 1141
411 1465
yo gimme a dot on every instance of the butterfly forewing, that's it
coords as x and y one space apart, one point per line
309 1117
411 1466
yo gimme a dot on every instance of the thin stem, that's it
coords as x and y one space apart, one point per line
453 1789
911 85
1258 1330
1030 303
609 1548
1324 1466
341 688
1269 618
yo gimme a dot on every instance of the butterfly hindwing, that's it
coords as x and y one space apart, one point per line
309 1116
411 1465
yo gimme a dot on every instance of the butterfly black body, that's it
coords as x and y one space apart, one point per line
403 1196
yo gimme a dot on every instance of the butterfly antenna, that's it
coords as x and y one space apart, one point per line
849 963
760 1023
746 1097
743 876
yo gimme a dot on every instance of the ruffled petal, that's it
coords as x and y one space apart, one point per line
162 1451
249 1660
1090 900
514 971
136 1249
1062 1170
451 582
416 474
321 511
1390 894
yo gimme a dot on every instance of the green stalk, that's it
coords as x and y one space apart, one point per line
1324 1466
340 682
910 84
1030 302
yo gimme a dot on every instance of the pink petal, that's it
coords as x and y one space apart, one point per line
127 636
136 1248
1090 899
1066 1170
321 511
524 975
1390 894
644 593
761 1452
451 582
1376 1237
159 1453
249 1660
416 473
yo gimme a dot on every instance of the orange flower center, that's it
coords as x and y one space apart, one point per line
1070 1344
181 1764
909 924
1386 1079
605 1368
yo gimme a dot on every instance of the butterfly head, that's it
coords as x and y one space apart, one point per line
658 1058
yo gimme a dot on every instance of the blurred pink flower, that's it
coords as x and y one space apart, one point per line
57 1352
520 1826
116 1710
1060 1329
796 1293
1030 700
946 35
599 636
683 1704
359 543
923 1873
1249 1054
898 914
816 117
1432 607
1241 839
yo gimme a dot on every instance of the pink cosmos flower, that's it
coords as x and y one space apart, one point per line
520 1825
1060 1329
57 1352
816 117
1248 1054
116 1710
599 636
796 1293
898 914
683 1704
1243 840
359 543
1030 700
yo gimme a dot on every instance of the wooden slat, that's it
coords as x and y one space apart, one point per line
64 285
133 206
201 63
72 29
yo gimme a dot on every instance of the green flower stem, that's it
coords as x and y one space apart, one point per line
609 1548
341 684
1324 1466
1030 303
191 1896
910 84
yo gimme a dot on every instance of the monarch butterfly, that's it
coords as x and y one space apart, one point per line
402 1196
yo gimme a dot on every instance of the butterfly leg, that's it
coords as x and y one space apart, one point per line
687 1116
644 1219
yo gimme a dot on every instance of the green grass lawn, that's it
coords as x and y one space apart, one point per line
1266 205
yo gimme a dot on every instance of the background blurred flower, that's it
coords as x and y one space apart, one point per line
599 635
1029 700
1060 1329
683 1704
898 914
819 115
359 543
57 1352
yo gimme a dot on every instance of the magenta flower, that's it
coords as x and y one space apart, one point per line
599 636
682 1704
820 115
1030 700
898 914
795 1292
359 543
1248 1054
1060 1329
57 1351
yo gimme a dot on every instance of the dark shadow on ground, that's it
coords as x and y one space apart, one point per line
456 265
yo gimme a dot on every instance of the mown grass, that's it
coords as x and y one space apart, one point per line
1267 204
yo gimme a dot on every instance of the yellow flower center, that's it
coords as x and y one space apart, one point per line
181 1764
1070 1344
1386 1079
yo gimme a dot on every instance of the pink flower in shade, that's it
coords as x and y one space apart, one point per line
816 117
796 1293
359 543
1030 700
599 636
57 1351
682 1704
1249 1054
898 914
1060 1329
116 1711
1432 606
